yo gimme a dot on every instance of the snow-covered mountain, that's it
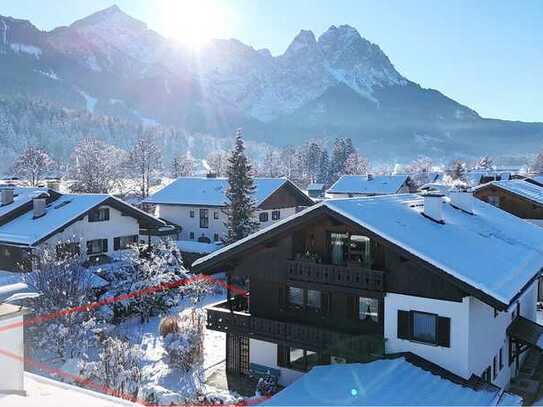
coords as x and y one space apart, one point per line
337 84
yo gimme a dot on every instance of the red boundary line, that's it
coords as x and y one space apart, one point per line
89 384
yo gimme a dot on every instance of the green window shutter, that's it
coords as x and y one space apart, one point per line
403 325
444 332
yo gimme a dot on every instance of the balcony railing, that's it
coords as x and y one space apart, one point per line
356 347
349 276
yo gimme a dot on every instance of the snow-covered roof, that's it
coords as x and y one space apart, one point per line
538 178
21 196
192 246
384 382
368 185
209 191
522 188
44 392
492 251
27 230
474 177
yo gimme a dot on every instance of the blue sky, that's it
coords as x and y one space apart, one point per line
487 54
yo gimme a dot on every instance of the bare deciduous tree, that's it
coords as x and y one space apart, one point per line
32 164
144 158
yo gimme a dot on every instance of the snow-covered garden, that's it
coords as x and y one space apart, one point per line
142 338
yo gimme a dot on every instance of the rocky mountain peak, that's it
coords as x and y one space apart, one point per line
303 45
111 15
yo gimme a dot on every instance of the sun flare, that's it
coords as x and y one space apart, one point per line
193 22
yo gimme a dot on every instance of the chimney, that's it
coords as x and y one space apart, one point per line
370 177
463 200
433 206
7 196
39 204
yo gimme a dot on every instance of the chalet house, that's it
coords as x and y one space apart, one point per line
316 190
475 178
349 186
350 280
98 224
197 204
518 197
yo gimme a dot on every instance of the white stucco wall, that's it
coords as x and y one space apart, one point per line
83 230
487 334
265 353
11 369
476 335
454 358
180 215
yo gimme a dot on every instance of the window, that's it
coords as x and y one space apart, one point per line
368 309
124 242
296 298
313 300
191 235
501 358
204 218
263 217
215 215
424 327
359 249
215 237
97 246
338 248
296 358
276 215
191 213
99 215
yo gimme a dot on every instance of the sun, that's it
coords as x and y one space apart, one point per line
193 22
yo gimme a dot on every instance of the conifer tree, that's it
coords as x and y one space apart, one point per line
240 204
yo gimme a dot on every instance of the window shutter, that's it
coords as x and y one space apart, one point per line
104 245
89 248
117 243
106 217
403 324
444 332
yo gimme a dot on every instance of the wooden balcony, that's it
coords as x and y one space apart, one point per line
353 347
354 276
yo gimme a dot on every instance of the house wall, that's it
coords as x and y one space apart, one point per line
117 225
487 334
265 353
509 202
453 358
180 215
11 340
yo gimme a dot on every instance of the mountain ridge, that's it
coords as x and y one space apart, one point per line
113 64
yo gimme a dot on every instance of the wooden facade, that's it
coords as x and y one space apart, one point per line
339 272
515 204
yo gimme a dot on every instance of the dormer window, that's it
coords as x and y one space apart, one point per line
99 215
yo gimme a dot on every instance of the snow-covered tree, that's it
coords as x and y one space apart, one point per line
96 167
32 164
144 158
217 162
355 164
324 168
158 275
537 164
271 166
117 368
485 163
420 170
288 160
240 204
343 148
182 165
457 170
